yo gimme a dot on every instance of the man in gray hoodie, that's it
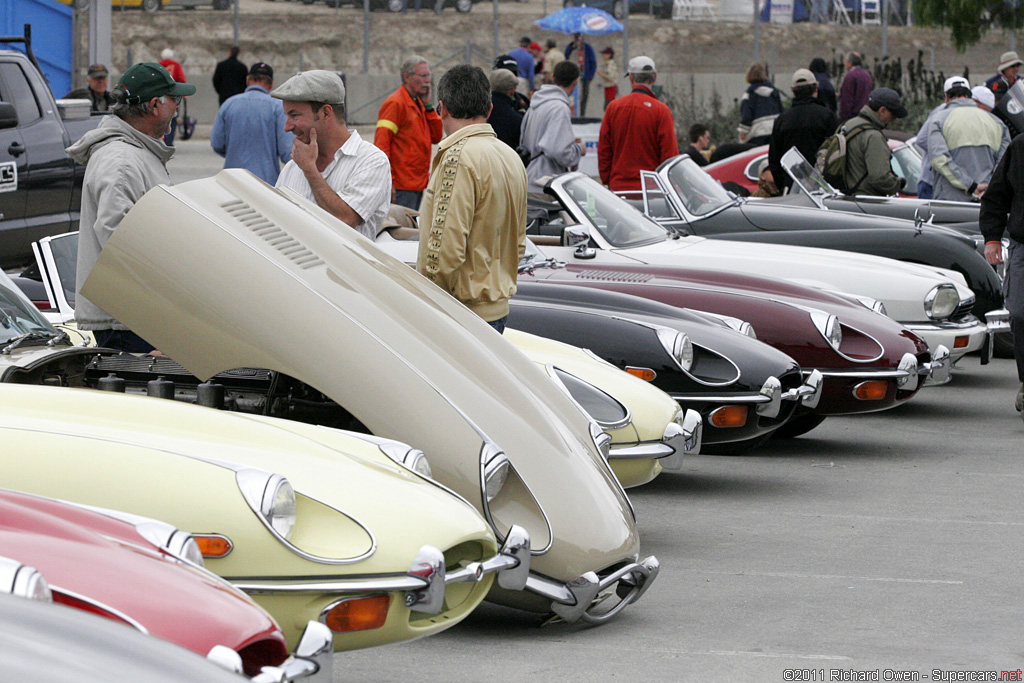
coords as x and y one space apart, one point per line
125 156
547 128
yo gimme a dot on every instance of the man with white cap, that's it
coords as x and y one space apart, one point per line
637 132
964 144
331 165
805 125
1009 65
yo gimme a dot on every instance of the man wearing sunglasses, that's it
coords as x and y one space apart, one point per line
125 156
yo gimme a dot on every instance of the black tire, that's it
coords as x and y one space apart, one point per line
734 447
463 6
798 426
619 9
151 6
1003 346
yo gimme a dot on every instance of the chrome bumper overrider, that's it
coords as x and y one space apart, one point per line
578 599
998 320
769 399
937 371
684 438
311 662
423 585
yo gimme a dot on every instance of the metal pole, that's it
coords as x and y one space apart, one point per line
366 36
496 25
625 37
235 42
99 32
757 34
885 28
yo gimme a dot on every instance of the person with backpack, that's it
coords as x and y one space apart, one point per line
805 125
868 165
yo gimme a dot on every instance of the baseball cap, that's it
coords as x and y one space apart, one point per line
534 46
261 69
507 62
316 85
640 65
1009 59
147 80
804 77
97 71
983 95
888 98
955 82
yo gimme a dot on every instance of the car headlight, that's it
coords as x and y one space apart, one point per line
678 345
408 457
829 327
270 496
941 302
173 541
23 581
874 304
494 466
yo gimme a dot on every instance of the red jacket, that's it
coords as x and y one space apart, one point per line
405 132
637 134
174 68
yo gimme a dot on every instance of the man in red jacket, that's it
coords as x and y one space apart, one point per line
637 132
173 67
407 126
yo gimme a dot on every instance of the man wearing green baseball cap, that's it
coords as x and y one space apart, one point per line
125 156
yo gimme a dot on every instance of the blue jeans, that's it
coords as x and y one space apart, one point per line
499 324
122 340
408 199
924 190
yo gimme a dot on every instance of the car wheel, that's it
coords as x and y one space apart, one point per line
798 426
1003 347
619 9
151 5
734 447
463 5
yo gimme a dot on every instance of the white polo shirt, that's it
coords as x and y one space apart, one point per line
361 175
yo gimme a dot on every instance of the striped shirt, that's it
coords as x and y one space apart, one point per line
360 174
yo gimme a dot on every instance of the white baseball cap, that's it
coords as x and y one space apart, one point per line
982 95
955 82
641 65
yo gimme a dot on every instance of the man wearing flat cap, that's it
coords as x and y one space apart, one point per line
249 129
96 92
331 165
805 125
124 157
868 159
1009 65
964 144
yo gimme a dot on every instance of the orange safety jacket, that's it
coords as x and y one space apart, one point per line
405 132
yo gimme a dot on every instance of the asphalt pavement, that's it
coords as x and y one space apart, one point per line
876 547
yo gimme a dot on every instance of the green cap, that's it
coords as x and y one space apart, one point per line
147 80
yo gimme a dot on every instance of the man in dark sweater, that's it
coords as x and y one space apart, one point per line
229 76
700 140
504 118
805 125
1002 211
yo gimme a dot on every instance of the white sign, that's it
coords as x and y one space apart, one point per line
781 11
8 176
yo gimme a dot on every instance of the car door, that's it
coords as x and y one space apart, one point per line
13 172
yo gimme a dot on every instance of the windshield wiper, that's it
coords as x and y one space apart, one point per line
21 339
62 335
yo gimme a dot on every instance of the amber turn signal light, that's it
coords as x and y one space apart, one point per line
645 374
358 614
729 416
961 342
871 391
213 545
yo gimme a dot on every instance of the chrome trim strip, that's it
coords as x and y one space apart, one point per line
938 326
100 605
746 398
642 451
858 374
607 426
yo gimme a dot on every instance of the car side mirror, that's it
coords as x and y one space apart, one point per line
8 117
574 236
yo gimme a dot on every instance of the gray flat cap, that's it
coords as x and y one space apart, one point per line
312 86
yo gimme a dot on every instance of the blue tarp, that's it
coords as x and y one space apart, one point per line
51 36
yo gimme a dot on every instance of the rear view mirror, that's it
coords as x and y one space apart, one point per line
575 236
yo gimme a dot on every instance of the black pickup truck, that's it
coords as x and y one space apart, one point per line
40 186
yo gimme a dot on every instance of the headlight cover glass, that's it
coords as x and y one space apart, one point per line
941 302
272 497
494 465
408 457
678 345
23 581
599 405
829 327
874 304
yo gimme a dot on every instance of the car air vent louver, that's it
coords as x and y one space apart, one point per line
272 234
613 276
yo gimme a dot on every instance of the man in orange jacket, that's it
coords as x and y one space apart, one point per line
407 126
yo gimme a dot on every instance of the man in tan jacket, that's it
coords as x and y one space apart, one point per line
473 215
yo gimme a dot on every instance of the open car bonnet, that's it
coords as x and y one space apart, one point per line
226 272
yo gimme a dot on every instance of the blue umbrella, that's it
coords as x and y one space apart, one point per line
586 20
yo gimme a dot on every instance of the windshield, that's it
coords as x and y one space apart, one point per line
17 314
805 175
906 163
618 222
700 193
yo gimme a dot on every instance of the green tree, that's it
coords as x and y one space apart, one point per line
968 20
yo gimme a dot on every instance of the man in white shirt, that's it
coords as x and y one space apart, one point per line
332 165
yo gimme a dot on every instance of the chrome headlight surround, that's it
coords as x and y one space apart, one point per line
828 326
874 304
602 440
175 542
494 469
271 497
582 393
941 302
408 457
678 346
23 581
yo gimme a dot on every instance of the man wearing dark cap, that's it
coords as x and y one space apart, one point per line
805 125
1009 65
96 92
229 77
331 165
125 156
963 143
868 159
249 129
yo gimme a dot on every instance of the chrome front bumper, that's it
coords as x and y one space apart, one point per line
311 662
998 320
769 399
907 374
580 599
679 439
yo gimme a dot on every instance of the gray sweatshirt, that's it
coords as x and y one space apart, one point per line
547 134
121 165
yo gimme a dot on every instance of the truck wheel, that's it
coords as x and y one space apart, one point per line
463 5
151 5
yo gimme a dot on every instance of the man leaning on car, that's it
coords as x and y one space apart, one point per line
125 156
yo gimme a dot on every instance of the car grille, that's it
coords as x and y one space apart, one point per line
456 595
